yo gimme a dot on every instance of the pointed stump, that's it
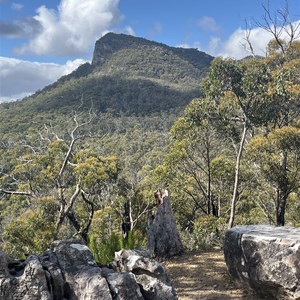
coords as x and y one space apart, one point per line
163 237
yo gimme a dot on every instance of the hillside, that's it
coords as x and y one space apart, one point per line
127 74
135 88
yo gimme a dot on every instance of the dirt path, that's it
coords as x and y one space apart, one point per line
203 276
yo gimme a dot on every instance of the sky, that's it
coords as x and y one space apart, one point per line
42 40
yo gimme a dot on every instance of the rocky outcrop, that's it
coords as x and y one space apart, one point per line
69 271
265 259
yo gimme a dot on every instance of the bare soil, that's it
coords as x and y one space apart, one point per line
203 276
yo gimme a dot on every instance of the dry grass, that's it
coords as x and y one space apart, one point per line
203 276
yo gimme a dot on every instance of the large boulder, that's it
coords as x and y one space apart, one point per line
265 259
69 271
83 277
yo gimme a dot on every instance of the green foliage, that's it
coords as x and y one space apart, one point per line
248 213
105 237
141 138
209 232
268 152
95 172
293 209
32 231
104 252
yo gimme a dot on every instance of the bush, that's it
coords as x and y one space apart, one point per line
104 249
105 236
28 234
209 232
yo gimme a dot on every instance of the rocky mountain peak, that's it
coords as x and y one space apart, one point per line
110 43
113 42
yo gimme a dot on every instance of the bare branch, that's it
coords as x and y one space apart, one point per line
248 41
73 140
85 229
28 194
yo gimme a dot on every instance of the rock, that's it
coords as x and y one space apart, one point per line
83 277
149 274
69 271
54 273
265 259
123 286
26 281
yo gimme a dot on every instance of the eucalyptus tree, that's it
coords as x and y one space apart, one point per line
238 91
257 92
61 170
277 158
189 167
283 61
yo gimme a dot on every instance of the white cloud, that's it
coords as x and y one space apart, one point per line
17 6
20 78
208 24
73 28
129 30
236 45
185 45
214 44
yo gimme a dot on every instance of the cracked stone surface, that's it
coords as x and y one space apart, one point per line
69 271
265 259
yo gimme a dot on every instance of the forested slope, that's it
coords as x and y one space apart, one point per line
114 113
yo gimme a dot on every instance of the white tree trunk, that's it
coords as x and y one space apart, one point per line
237 176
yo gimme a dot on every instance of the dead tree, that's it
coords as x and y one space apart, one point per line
127 222
163 237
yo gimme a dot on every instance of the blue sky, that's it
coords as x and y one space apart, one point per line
42 40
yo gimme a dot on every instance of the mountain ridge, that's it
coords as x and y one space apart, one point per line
128 74
112 42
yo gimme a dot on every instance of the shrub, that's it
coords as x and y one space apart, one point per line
209 232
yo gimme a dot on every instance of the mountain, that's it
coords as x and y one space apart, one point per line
137 88
128 74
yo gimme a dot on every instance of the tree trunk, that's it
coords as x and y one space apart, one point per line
237 176
280 212
127 219
65 208
163 237
282 192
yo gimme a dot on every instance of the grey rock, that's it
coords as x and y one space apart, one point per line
86 283
69 272
70 253
265 259
149 273
83 277
24 281
54 274
123 286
